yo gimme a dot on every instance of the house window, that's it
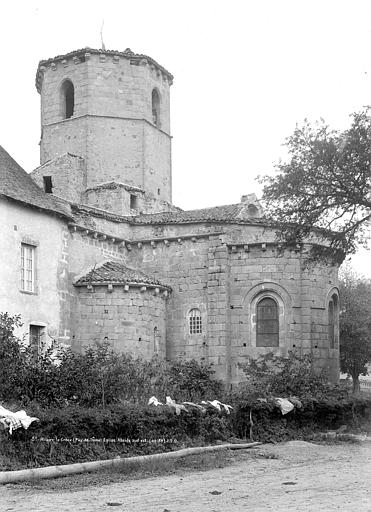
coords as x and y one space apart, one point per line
68 99
28 253
48 185
267 323
332 320
195 321
36 337
156 107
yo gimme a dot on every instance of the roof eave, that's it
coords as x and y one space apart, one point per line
40 208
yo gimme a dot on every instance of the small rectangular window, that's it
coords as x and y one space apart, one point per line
36 338
133 202
48 185
28 253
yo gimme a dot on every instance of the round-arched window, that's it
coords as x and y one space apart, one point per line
333 318
67 99
267 323
156 107
195 321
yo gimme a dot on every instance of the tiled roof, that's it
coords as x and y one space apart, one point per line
16 184
236 213
128 54
114 272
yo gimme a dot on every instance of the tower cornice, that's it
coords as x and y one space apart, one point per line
83 54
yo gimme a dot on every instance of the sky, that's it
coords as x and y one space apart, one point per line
245 73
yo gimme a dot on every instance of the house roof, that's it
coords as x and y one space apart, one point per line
115 272
16 184
128 54
231 213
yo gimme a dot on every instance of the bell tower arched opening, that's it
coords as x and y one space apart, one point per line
156 107
67 99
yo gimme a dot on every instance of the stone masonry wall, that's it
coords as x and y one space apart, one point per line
192 268
131 321
210 268
68 174
225 278
303 304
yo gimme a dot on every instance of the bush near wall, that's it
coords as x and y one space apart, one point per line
98 377
143 424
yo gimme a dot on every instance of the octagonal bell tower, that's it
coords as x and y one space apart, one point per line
112 109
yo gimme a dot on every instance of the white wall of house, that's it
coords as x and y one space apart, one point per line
45 236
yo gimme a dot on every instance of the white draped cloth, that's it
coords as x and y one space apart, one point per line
14 420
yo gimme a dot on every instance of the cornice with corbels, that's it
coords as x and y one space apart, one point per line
129 245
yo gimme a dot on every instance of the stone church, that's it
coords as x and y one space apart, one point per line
94 250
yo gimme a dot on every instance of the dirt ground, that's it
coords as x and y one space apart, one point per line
286 477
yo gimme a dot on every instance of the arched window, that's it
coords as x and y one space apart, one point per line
195 321
156 107
68 99
333 314
267 323
155 340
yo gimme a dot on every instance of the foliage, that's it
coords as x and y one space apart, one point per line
325 184
99 376
11 356
277 375
355 325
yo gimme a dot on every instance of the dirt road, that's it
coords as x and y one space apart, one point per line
294 476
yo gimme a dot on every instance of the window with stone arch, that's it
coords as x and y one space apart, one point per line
267 323
195 321
333 320
67 99
156 107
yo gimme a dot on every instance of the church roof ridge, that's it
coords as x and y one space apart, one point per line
113 184
128 54
17 185
236 213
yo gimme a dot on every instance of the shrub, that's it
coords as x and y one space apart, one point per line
11 358
271 374
99 376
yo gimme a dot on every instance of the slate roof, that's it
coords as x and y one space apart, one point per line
236 213
115 272
128 54
16 184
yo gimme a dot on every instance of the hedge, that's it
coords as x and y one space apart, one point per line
75 434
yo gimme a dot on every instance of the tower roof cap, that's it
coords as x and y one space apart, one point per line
134 58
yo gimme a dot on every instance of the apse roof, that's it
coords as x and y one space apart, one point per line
116 272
